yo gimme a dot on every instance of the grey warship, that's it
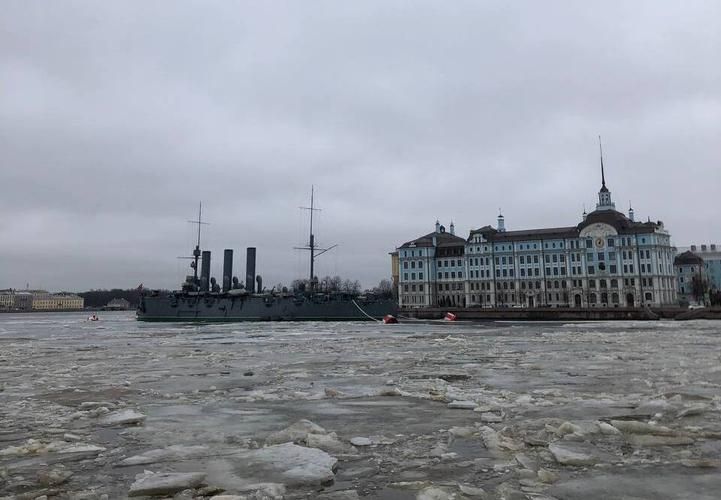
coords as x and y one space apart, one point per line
203 299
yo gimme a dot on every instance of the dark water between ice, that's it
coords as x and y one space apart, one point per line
213 394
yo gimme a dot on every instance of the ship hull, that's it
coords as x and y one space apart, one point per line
229 308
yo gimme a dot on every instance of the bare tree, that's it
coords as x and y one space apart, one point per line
699 287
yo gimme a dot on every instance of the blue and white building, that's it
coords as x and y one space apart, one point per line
606 260
700 262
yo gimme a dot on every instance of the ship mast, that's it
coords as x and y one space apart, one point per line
314 250
196 251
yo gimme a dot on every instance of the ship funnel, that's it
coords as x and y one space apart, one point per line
205 272
227 269
250 270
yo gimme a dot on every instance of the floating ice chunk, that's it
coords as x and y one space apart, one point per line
692 410
568 428
296 433
491 417
472 491
329 443
435 493
123 417
82 448
165 483
361 441
568 456
607 429
297 464
654 440
635 427
462 405
171 453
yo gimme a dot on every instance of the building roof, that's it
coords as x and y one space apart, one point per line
442 238
687 258
619 221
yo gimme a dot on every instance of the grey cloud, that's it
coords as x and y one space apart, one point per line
116 118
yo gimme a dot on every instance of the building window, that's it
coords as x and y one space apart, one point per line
610 242
589 243
405 265
420 276
405 276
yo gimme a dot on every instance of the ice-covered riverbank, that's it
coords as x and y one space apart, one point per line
430 411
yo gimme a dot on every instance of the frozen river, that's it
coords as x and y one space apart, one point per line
107 409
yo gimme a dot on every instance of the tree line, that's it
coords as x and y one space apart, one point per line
100 298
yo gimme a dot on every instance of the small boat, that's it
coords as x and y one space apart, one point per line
450 316
389 319
94 317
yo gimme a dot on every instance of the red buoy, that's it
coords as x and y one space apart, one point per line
389 319
450 316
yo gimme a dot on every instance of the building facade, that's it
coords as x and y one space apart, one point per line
7 299
691 275
56 301
711 255
607 260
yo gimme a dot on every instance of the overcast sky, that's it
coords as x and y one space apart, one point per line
118 117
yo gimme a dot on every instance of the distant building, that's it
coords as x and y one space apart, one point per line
606 260
395 271
690 272
23 301
711 255
56 301
117 305
698 271
7 299
432 269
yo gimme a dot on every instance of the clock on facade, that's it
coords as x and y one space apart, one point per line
599 242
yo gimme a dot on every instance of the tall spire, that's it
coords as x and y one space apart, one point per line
604 195
603 176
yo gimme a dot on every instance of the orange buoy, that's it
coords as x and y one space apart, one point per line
389 319
450 316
